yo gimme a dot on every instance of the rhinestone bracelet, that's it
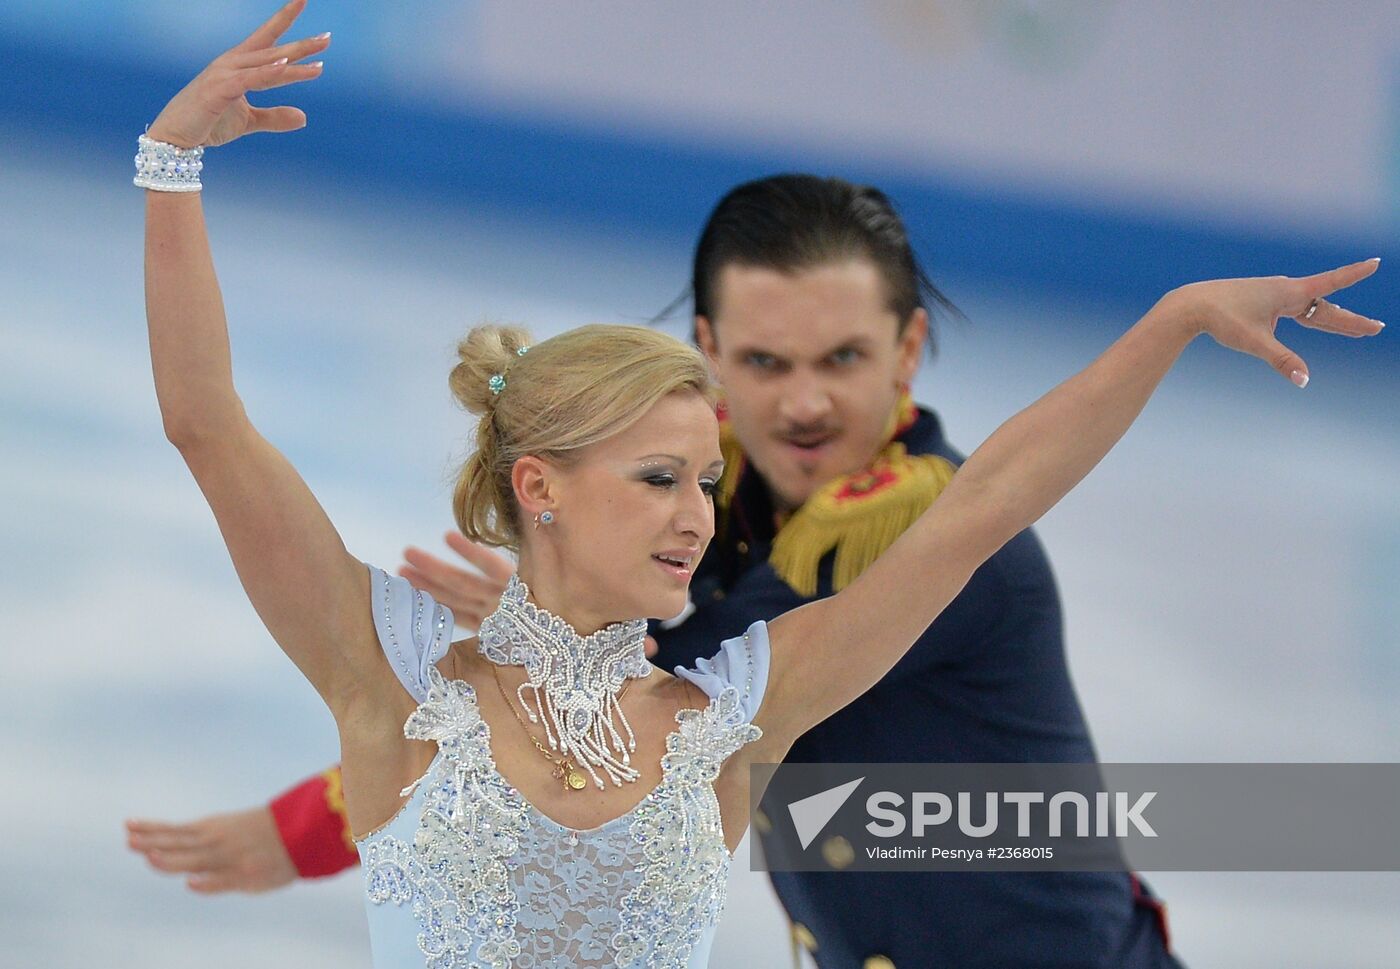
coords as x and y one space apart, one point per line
167 168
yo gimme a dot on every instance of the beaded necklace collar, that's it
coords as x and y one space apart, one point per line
573 680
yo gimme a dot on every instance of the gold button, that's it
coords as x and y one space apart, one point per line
877 962
761 822
743 548
838 852
804 937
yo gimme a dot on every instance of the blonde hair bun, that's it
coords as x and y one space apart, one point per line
484 352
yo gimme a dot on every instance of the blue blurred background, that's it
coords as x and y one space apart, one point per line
1229 574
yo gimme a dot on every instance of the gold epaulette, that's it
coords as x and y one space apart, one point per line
859 515
734 462
335 801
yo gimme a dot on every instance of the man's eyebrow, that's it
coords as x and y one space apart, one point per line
855 342
744 349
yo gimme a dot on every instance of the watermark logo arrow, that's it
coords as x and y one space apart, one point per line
811 814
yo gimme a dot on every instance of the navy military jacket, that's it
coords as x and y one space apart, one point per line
987 682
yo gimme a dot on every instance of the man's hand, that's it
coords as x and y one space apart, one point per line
472 596
236 852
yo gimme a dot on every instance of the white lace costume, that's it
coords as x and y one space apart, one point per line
469 874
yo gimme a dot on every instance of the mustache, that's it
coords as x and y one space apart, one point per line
810 431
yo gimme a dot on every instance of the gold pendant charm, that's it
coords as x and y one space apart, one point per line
574 779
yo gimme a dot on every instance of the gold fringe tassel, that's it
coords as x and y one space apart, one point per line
859 516
335 800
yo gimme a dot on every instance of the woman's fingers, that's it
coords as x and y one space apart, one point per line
492 564
1331 318
278 119
1328 316
1282 359
275 26
231 85
278 75
1327 283
293 52
265 78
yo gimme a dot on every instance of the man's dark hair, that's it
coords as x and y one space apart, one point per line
795 222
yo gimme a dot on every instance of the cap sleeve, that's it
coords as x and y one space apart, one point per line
414 631
742 662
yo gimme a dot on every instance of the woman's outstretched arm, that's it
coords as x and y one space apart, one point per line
827 653
312 595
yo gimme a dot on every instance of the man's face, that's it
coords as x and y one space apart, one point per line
811 363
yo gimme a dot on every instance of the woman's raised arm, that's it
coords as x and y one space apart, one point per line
310 592
827 653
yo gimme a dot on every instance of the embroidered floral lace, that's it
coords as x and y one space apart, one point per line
491 882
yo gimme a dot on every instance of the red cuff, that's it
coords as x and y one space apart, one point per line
1157 907
314 828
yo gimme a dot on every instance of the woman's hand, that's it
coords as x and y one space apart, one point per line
1242 314
213 108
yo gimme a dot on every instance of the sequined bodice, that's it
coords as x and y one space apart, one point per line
488 880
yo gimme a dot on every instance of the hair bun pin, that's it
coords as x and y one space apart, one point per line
497 383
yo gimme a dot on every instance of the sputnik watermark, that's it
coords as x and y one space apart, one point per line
1111 814
1077 817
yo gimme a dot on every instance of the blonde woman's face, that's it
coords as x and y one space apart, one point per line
642 497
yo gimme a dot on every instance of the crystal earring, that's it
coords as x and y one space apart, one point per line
544 518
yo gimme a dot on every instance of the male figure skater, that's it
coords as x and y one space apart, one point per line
814 313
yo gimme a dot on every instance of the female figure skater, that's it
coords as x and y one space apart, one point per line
597 459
